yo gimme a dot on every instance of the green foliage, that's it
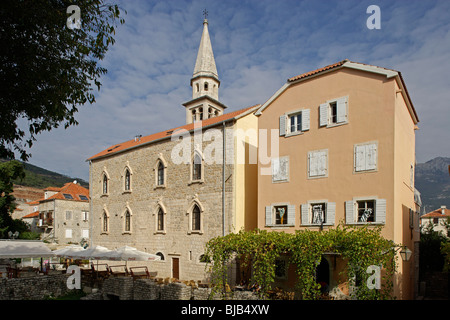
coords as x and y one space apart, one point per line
431 256
9 171
49 70
360 247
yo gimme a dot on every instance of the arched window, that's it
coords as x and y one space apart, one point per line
105 222
197 86
160 174
196 218
105 184
160 255
205 86
197 167
127 221
160 220
200 114
127 180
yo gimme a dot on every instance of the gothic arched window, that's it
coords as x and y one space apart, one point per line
196 218
197 167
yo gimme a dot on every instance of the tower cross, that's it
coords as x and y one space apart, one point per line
205 13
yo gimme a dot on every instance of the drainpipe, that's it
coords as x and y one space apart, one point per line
91 215
223 177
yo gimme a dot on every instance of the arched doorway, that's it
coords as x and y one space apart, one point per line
323 275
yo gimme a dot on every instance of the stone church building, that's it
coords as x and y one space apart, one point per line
170 192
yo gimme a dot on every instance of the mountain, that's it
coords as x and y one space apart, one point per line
433 182
37 177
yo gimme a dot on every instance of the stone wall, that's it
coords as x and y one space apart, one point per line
125 288
33 288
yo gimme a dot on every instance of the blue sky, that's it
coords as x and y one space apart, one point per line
258 45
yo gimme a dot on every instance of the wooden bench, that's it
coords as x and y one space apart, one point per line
124 271
141 273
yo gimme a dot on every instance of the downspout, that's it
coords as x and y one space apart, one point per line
223 177
91 215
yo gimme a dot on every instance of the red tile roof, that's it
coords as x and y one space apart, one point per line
437 213
167 133
310 73
31 215
72 189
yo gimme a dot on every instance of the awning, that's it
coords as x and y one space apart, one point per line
10 249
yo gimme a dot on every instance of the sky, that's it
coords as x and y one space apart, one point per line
258 45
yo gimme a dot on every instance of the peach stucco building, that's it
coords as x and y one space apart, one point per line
346 154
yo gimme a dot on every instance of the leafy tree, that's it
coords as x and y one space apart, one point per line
8 172
47 70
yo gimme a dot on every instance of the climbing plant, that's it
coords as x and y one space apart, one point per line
361 247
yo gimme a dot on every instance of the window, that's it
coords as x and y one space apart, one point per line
280 169
160 173
127 180
85 233
333 112
280 215
206 86
105 222
160 255
68 215
67 196
83 197
85 215
197 167
318 213
366 157
196 218
105 184
318 164
127 221
294 122
365 210
160 220
68 233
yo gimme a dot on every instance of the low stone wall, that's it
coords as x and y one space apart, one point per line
34 288
125 288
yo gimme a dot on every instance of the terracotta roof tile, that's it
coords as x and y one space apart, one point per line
31 215
73 190
167 133
310 73
437 213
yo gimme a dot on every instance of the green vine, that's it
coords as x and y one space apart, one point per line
360 247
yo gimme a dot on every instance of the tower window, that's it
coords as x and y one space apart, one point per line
198 87
206 86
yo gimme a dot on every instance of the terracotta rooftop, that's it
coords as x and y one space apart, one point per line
167 133
310 73
31 215
437 213
70 191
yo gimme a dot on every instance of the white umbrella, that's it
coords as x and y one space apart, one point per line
127 253
95 253
67 251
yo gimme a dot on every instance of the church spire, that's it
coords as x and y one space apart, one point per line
205 64
205 83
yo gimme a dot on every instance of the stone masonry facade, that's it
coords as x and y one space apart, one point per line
178 195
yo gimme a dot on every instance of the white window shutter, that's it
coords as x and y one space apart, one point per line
371 156
341 110
322 163
283 125
268 215
380 211
291 214
305 218
360 158
305 119
323 114
349 212
331 213
313 164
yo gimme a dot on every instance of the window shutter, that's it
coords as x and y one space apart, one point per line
313 164
323 114
380 211
349 212
305 219
341 110
291 214
282 125
268 215
322 163
360 158
331 212
305 119
371 156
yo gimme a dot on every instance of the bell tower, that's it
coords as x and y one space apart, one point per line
204 82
